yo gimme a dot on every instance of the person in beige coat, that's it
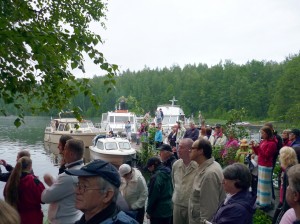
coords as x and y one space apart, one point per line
183 173
134 190
207 190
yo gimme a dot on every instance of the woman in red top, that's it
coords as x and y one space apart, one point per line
23 191
265 152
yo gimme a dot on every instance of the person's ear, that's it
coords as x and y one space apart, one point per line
296 196
109 194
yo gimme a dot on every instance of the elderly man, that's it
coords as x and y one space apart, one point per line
192 132
166 155
61 194
183 174
96 194
207 190
293 191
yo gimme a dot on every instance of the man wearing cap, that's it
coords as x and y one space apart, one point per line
96 194
218 138
166 155
134 190
61 194
192 132
207 190
183 174
294 137
159 205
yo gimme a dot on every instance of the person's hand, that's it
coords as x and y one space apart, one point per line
252 156
48 179
174 149
3 162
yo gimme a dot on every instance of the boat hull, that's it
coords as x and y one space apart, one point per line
53 137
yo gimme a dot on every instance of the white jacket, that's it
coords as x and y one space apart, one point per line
135 191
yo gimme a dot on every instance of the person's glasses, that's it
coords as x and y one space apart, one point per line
82 188
191 149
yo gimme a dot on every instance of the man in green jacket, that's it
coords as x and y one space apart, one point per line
159 207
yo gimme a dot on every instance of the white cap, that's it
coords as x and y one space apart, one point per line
124 169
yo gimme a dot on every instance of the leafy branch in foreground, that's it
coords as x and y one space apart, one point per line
39 41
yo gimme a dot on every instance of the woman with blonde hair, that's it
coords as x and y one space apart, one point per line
23 192
287 158
8 215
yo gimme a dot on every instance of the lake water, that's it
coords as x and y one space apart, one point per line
29 136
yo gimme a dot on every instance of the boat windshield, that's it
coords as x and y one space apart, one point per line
121 119
86 125
170 119
124 145
111 146
100 145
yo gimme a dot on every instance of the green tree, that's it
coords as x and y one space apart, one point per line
40 43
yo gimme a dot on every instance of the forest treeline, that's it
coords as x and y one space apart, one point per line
265 89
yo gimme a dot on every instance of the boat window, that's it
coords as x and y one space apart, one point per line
124 145
111 119
100 145
104 116
169 119
83 125
131 120
90 124
67 127
61 127
121 119
111 146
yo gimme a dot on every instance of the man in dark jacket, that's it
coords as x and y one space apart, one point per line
192 132
167 156
159 206
294 137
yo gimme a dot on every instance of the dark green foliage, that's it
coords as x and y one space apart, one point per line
261 217
39 42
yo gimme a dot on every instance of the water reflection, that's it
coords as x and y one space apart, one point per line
51 150
27 137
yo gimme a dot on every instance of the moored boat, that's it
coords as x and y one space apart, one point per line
115 121
114 150
83 130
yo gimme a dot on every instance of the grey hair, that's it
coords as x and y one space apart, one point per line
240 173
294 177
104 185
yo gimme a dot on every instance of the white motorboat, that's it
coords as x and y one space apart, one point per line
114 150
83 130
115 121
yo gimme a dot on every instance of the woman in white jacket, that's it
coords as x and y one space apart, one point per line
134 190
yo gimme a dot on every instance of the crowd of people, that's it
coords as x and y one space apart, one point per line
187 185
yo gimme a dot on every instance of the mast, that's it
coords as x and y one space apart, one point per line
173 101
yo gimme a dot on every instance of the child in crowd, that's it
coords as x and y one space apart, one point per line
242 152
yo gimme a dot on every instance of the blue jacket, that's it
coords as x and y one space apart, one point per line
238 210
295 143
158 136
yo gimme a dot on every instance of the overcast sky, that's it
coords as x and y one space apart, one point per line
162 33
